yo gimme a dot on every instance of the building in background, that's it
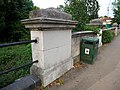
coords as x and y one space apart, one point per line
106 22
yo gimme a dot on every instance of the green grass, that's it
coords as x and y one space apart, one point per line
11 57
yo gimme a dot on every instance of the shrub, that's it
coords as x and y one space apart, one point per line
11 57
107 36
91 28
87 28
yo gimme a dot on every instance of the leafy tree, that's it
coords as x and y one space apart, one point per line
61 7
81 10
77 9
11 12
92 8
116 11
35 8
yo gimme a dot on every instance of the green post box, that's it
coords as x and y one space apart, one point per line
89 49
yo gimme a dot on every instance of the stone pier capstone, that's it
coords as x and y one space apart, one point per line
52 29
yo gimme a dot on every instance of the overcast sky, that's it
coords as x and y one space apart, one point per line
54 3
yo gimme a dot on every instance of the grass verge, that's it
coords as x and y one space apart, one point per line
11 57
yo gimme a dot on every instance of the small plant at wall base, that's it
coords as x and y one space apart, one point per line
107 36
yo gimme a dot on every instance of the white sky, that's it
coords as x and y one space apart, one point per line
54 3
103 7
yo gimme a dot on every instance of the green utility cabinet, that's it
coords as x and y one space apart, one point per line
89 49
108 25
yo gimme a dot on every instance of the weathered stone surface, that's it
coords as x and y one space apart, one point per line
45 24
50 74
115 25
75 46
53 51
76 59
49 19
75 42
52 28
50 13
26 83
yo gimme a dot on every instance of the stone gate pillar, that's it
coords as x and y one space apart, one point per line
52 29
100 38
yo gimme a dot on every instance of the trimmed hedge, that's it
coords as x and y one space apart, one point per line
107 36
92 28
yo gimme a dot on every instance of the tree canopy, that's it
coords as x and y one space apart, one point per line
81 10
11 12
116 11
92 8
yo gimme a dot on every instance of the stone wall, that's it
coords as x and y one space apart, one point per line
75 51
76 38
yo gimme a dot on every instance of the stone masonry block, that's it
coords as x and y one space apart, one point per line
56 55
49 75
26 83
57 38
50 13
50 39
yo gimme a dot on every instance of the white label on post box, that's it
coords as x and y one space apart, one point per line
87 51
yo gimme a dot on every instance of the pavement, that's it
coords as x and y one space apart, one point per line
104 74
